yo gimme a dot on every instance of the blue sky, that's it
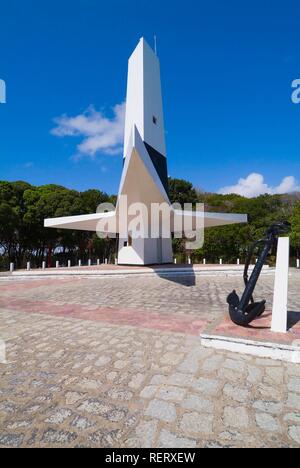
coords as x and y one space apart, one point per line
227 69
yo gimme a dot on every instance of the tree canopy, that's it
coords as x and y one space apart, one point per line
23 208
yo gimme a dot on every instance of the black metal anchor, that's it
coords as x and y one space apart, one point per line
244 311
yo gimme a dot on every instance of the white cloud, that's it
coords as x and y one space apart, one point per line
28 165
255 185
100 134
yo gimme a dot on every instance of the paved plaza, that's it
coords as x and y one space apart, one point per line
117 362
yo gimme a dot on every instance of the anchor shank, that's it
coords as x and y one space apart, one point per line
255 275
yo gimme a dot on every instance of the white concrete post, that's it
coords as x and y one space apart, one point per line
175 261
44 265
57 265
69 263
90 262
204 261
221 261
98 262
28 266
106 261
11 267
79 263
238 261
116 261
298 263
280 303
189 261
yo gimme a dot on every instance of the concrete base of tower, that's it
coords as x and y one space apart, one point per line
145 251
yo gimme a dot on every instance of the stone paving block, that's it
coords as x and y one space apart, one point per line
19 424
294 433
116 415
274 375
236 393
11 440
58 416
52 436
292 417
268 406
143 436
136 381
255 374
195 424
102 361
111 376
236 417
93 406
170 440
267 362
207 386
235 365
158 379
73 397
172 358
86 384
266 422
234 435
198 403
268 392
180 379
161 410
118 394
213 363
293 370
105 438
229 375
120 364
82 423
294 385
294 401
169 393
149 391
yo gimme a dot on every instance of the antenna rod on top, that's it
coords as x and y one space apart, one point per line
155 44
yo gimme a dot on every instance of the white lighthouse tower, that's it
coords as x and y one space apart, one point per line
145 176
144 180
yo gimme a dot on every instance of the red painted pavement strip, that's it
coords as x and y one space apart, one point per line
190 325
259 329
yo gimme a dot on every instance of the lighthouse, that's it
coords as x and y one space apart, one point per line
142 238
145 175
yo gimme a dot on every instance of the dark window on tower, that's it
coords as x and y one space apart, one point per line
154 119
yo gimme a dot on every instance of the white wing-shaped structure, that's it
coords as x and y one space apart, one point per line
144 181
81 222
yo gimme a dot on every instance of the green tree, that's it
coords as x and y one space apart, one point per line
181 191
24 207
295 235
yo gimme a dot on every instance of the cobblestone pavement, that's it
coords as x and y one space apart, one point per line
99 362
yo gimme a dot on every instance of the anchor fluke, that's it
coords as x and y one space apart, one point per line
244 318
